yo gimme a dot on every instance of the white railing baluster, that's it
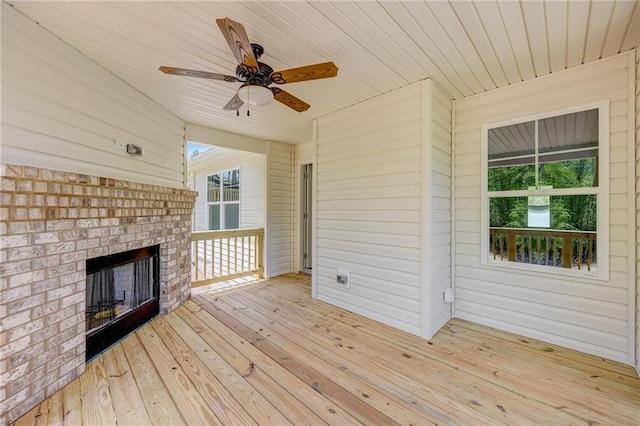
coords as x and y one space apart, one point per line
212 255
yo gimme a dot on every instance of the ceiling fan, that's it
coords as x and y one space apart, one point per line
257 76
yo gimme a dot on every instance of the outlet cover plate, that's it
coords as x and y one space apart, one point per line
344 273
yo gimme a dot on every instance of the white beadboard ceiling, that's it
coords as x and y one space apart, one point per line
467 47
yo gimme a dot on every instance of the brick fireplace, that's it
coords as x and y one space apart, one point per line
51 223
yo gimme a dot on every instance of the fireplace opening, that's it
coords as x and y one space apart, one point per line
122 294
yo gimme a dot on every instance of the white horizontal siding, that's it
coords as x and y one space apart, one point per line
279 232
200 209
62 111
252 184
368 208
383 208
253 192
222 139
304 153
439 183
585 314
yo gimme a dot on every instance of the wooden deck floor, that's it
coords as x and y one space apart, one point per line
266 353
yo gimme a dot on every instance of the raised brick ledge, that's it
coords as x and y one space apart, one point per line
29 193
47 175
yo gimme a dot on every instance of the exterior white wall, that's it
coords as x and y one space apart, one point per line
589 315
279 231
376 197
438 196
253 187
60 110
304 153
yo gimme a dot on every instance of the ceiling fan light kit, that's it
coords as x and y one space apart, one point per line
255 94
257 76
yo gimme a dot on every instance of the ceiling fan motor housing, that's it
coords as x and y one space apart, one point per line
258 50
246 74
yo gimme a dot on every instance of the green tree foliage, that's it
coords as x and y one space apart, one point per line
571 212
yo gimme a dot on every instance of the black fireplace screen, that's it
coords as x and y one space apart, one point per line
122 294
116 290
142 274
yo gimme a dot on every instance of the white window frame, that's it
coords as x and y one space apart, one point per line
223 202
602 193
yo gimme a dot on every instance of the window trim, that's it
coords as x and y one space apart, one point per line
222 203
602 192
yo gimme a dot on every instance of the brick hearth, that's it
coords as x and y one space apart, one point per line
50 223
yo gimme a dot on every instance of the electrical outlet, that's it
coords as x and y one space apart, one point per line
343 277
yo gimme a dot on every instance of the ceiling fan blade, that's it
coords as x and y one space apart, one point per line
234 104
289 100
309 72
200 74
238 41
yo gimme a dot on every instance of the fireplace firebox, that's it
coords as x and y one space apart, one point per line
122 294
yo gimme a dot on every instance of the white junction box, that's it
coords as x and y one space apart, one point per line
448 295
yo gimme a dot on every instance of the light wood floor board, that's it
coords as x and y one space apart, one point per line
264 377
367 359
126 394
363 379
499 368
156 398
266 353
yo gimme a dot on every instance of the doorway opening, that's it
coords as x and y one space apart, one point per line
306 187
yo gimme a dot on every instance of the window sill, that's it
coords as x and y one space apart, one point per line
544 271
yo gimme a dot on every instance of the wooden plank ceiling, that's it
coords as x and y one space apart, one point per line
466 47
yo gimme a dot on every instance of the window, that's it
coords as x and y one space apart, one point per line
223 200
543 204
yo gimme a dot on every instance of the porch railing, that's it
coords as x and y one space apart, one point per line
226 255
230 194
553 247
